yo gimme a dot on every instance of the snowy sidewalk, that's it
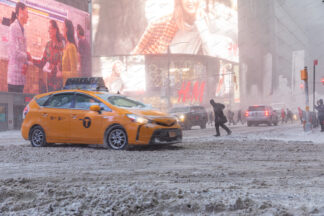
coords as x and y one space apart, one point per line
287 133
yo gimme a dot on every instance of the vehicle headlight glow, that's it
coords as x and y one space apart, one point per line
137 119
182 117
295 117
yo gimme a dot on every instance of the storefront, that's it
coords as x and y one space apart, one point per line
170 80
11 109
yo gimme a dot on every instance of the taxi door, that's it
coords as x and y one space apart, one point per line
86 125
55 117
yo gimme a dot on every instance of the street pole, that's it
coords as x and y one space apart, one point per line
304 76
314 88
315 63
168 82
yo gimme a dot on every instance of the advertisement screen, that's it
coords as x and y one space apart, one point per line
42 45
124 75
198 27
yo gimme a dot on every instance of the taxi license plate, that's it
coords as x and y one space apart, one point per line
172 134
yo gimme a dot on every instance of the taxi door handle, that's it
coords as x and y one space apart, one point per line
44 114
74 116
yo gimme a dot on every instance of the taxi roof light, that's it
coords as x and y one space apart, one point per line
86 83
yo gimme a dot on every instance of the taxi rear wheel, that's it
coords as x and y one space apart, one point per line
116 138
37 137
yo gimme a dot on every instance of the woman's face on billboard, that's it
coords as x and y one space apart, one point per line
23 14
51 31
118 68
190 7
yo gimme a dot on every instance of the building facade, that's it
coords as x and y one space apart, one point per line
274 47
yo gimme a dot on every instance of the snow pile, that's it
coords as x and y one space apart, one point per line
101 197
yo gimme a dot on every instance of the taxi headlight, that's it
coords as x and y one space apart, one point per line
137 119
182 117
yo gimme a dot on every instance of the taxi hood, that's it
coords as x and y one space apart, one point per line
145 112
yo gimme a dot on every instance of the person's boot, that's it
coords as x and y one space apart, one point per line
322 128
217 135
229 132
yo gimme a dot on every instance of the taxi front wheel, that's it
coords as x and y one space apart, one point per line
116 138
37 137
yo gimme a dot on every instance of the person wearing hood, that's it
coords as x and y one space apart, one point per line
320 109
220 118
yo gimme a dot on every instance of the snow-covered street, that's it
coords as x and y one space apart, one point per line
275 170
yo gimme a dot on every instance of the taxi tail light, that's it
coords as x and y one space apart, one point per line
266 113
26 110
246 113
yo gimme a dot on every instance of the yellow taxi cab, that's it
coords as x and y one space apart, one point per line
91 116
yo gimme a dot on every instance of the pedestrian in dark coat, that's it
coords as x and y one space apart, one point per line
220 118
239 116
320 109
211 117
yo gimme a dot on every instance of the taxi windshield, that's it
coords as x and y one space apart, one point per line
122 101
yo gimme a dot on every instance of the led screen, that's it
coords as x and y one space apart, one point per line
124 75
199 27
35 53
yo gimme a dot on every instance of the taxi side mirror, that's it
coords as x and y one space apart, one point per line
95 108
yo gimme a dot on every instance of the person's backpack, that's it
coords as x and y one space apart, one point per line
223 119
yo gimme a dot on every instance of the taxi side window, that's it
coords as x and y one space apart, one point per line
60 101
41 101
84 102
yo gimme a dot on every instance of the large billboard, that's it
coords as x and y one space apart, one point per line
199 27
124 74
45 44
168 52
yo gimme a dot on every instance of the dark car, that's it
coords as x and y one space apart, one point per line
261 114
189 116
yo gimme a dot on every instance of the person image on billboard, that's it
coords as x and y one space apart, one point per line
51 62
18 55
70 53
84 53
114 82
187 30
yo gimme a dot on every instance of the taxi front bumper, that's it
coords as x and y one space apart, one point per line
166 136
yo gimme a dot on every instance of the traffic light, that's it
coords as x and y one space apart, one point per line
322 80
303 74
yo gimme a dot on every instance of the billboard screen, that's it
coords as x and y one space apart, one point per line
39 49
199 27
124 74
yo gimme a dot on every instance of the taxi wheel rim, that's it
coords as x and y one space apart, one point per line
37 137
117 139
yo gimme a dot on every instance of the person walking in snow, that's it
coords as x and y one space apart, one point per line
230 116
220 118
289 116
320 109
283 115
211 117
